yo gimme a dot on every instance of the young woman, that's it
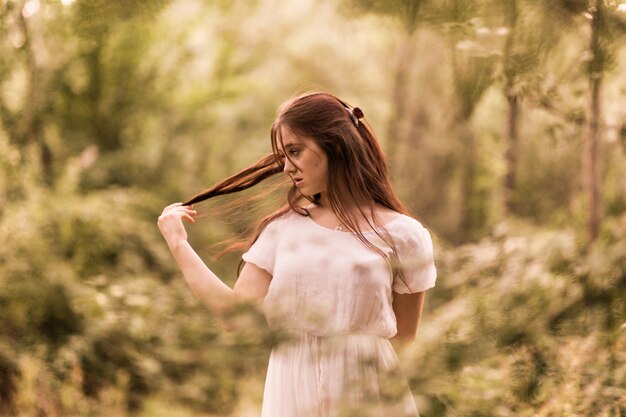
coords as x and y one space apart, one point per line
341 267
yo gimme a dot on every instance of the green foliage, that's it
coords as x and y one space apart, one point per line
111 110
89 308
524 323
408 12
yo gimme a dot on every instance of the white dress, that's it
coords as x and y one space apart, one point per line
333 296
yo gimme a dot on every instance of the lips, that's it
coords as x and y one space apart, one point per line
297 181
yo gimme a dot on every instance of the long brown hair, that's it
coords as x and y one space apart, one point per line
357 171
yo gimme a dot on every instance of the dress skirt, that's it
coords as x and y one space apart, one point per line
336 376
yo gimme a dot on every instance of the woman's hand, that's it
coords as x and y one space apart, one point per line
171 223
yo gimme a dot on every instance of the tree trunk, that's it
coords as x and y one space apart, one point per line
396 131
468 88
33 114
591 178
510 152
472 210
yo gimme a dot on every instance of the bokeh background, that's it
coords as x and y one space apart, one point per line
504 123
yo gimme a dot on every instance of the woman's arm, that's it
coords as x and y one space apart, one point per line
251 285
408 310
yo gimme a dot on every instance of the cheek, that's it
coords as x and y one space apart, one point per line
322 169
316 166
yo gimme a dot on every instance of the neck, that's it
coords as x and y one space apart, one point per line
324 202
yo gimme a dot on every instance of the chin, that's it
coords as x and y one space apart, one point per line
310 191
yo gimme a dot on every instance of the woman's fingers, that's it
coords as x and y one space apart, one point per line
170 222
173 205
173 215
173 208
188 212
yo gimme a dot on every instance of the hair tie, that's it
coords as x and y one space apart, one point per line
356 114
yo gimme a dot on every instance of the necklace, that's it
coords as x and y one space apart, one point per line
338 228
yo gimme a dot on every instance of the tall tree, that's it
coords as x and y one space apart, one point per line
472 74
511 14
607 26
25 125
529 36
409 14
596 68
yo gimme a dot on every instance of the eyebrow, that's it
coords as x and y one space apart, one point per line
286 145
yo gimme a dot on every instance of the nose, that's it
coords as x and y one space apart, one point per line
288 167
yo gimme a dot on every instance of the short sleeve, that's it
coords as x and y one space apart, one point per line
262 253
416 260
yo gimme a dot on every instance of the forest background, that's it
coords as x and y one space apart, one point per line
504 123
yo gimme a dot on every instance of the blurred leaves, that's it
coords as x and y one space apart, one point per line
527 322
111 110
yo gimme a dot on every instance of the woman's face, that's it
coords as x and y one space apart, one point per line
307 164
